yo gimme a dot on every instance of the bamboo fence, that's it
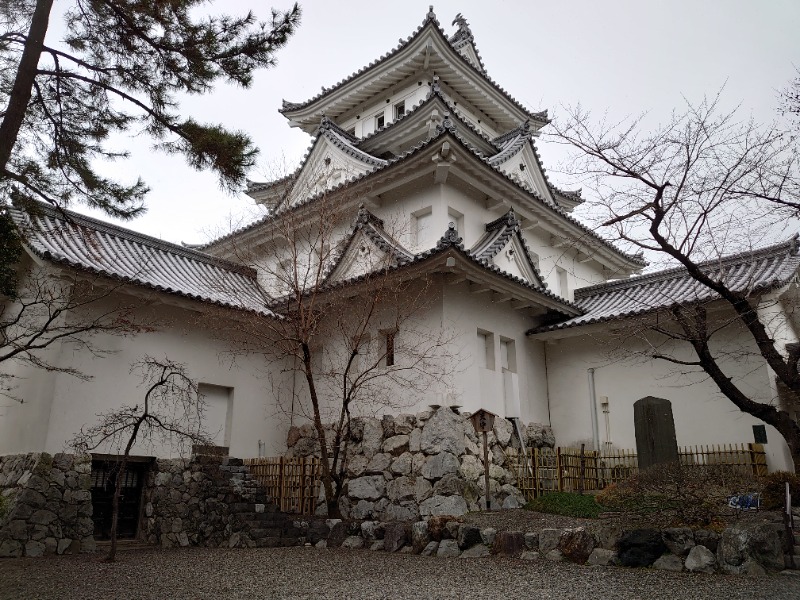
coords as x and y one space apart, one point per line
543 470
292 483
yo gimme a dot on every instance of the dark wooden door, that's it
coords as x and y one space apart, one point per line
104 478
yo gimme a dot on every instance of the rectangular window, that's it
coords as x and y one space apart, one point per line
399 109
457 218
390 349
379 121
563 283
421 222
508 355
485 349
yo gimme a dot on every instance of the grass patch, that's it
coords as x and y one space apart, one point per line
567 504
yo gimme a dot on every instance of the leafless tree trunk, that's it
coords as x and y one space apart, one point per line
352 343
172 412
702 186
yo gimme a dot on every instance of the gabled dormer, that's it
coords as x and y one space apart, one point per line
503 246
368 248
382 92
332 160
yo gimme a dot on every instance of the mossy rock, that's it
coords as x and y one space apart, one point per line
44 465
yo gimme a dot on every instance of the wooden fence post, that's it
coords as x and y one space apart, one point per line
582 470
558 470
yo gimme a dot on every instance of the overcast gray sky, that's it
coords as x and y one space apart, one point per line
621 56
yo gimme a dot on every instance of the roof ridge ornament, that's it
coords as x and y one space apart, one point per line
464 32
431 16
447 124
450 237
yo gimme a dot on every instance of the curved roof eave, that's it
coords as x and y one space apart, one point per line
292 110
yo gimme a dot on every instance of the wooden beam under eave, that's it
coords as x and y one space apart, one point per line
494 203
454 278
441 172
477 288
497 297
520 304
529 224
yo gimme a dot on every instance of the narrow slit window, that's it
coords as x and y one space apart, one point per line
399 109
390 349
379 121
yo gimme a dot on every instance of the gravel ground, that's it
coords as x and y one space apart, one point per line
357 574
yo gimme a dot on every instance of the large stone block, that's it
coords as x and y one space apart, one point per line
448 549
576 544
509 543
402 488
640 547
402 464
539 436
420 536
503 430
395 536
370 487
747 543
700 560
443 505
396 445
379 463
443 432
679 540
439 465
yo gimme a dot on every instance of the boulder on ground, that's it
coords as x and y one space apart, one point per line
509 543
640 547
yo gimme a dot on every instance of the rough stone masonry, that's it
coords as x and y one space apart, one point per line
408 467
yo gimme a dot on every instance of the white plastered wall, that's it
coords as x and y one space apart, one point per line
479 387
623 374
56 406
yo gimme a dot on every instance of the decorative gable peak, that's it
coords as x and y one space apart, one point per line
464 42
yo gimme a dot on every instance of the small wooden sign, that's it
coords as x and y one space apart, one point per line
483 421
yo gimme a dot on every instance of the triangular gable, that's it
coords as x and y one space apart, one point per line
429 39
368 248
518 160
331 161
503 246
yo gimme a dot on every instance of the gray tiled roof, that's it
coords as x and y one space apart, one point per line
71 239
447 127
432 21
451 241
746 272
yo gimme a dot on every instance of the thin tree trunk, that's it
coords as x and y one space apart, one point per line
327 476
23 81
112 553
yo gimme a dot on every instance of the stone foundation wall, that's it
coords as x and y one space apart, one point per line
46 504
743 549
413 466
211 501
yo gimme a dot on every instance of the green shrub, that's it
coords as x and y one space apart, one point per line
774 489
567 504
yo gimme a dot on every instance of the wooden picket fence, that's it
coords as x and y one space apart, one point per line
545 470
293 483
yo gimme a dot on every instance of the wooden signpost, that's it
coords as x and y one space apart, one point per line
483 422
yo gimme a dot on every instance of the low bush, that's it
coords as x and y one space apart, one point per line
567 504
773 492
675 495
